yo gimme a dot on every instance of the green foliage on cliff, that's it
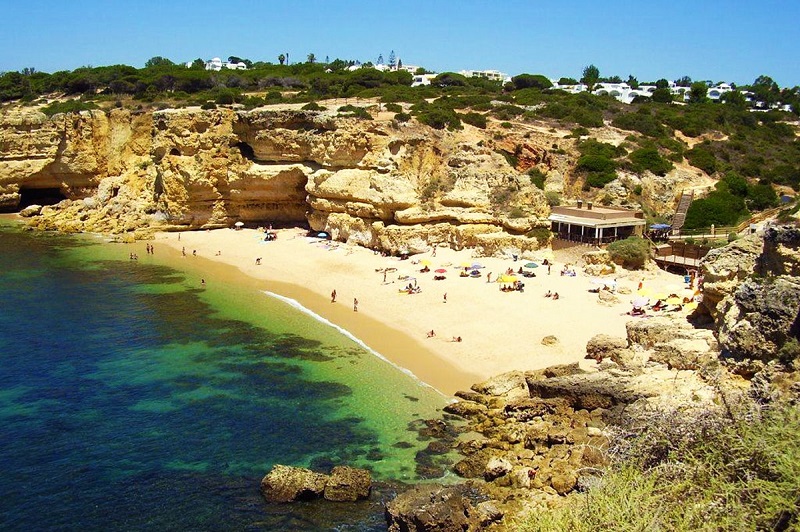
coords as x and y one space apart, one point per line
757 145
708 474
597 162
632 252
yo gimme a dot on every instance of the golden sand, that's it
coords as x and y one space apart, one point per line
500 331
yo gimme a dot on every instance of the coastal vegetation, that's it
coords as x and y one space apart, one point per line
736 472
722 138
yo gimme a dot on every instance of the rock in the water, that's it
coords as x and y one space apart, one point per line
348 484
287 484
432 508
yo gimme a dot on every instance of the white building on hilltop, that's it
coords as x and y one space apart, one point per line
218 64
491 75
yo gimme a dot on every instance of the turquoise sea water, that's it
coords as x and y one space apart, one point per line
132 399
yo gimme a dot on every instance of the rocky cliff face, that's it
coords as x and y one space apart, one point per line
370 182
752 291
373 183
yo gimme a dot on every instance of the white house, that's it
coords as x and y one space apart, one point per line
422 79
491 75
218 64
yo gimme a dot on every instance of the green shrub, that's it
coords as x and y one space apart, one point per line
312 106
208 106
393 107
439 117
402 117
537 177
702 158
649 159
720 208
355 112
553 198
474 119
632 253
542 234
69 106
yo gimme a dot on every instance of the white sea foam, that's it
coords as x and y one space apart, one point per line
296 304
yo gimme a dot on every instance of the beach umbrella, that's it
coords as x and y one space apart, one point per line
440 270
508 278
465 264
639 302
425 262
531 265
476 266
239 224
645 292
673 301
660 295
690 306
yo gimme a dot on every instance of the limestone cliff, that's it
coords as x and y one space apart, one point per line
376 183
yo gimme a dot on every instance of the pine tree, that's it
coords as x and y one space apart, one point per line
392 60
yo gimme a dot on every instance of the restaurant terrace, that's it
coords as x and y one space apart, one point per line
590 224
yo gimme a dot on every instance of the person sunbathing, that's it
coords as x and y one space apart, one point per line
555 296
548 294
431 334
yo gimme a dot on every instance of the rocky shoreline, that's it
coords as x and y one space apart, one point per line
530 439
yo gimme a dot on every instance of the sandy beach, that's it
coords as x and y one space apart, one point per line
500 331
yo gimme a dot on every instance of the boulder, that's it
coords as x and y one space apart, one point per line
432 508
495 468
549 340
347 484
586 391
602 346
288 484
508 384
465 408
760 318
30 210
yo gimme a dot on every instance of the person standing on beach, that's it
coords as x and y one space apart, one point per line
434 251
183 251
489 277
355 304
445 298
333 296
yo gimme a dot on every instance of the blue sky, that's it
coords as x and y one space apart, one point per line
651 39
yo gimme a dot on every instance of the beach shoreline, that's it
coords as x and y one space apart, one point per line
500 331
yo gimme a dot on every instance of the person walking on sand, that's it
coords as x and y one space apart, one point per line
433 254
333 296
444 299
183 251
489 277
355 304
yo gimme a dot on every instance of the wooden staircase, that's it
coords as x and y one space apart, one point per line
680 211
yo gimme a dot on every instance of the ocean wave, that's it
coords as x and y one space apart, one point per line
296 304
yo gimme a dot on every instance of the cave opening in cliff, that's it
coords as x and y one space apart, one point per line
246 150
39 196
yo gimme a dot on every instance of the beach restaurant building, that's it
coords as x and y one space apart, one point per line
590 224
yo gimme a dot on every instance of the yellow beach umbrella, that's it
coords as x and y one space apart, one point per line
644 292
466 264
690 306
660 295
673 301
508 278
425 262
